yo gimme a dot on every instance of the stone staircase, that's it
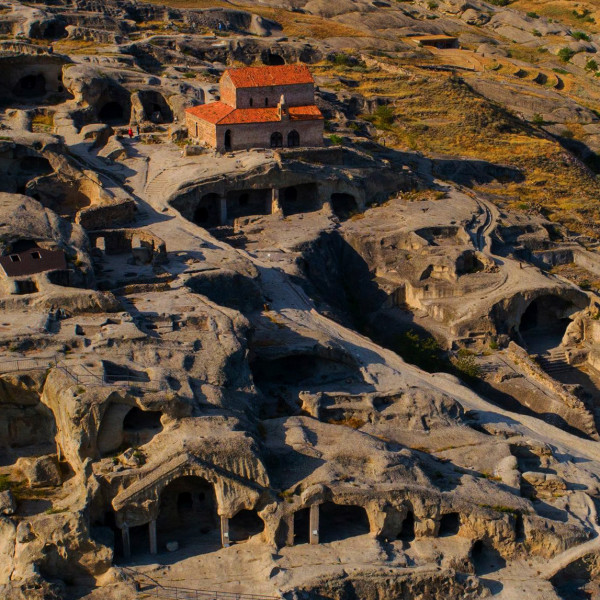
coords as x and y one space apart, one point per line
157 188
554 362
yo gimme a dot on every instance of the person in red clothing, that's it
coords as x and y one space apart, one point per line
130 133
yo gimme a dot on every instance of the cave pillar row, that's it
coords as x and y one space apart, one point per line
126 541
225 531
289 541
273 205
314 524
223 210
152 536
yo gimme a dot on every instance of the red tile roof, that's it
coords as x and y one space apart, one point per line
251 77
213 112
222 114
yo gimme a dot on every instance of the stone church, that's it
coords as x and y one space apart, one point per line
260 107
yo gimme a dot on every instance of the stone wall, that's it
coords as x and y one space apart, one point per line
258 135
295 95
201 130
106 215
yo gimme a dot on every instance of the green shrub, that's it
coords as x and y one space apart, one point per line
336 140
533 15
591 65
566 54
467 367
423 351
538 119
581 35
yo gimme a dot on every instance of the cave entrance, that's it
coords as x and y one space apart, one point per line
486 559
299 199
407 531
112 113
339 522
245 203
30 86
344 205
273 59
544 323
37 165
208 211
301 526
156 108
110 432
187 511
244 525
307 370
140 426
449 524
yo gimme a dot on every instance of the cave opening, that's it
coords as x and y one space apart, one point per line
339 521
246 203
207 211
449 524
544 322
300 198
407 531
301 526
308 370
112 113
30 86
187 511
344 205
244 525
272 59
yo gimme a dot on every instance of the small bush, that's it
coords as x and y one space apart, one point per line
466 366
336 140
537 119
591 65
566 54
581 35
533 15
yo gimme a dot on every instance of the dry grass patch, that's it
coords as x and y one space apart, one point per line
440 114
294 24
574 14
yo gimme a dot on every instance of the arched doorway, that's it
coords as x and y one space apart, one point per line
343 205
227 141
273 60
544 322
30 86
187 512
207 212
293 139
244 525
112 112
276 140
339 522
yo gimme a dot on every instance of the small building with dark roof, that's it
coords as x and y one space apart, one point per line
22 263
260 107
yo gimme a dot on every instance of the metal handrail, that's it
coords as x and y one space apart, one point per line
88 378
179 593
